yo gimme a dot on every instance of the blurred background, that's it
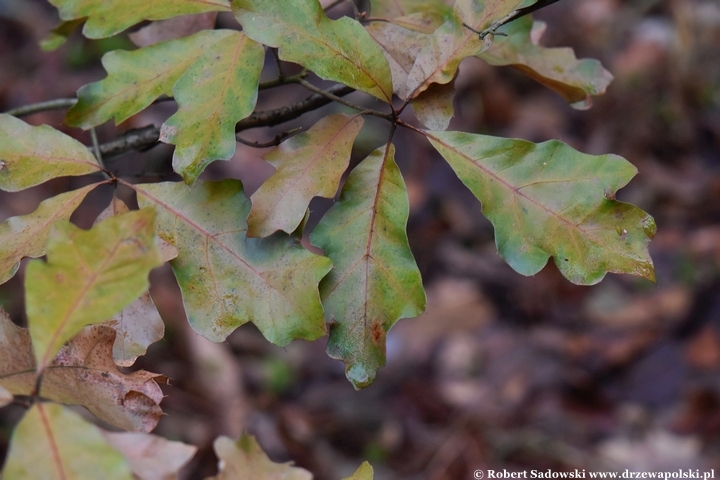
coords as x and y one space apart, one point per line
503 371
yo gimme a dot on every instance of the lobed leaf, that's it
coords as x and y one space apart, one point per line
556 68
27 235
401 47
215 93
31 155
374 281
139 324
89 277
151 457
245 460
82 373
135 79
228 279
438 61
54 443
106 18
307 165
338 50
549 200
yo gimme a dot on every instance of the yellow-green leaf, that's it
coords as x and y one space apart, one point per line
338 50
106 18
82 373
215 93
139 324
556 68
26 236
374 281
54 443
89 277
227 279
364 472
549 200
245 460
31 155
309 164
135 79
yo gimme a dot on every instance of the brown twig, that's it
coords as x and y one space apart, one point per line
272 143
387 116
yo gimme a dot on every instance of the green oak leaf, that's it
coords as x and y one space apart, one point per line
549 200
54 443
135 79
106 18
31 155
26 236
227 279
246 460
215 93
374 281
438 61
89 277
556 68
338 50
307 165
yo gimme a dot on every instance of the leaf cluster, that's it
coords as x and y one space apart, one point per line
238 258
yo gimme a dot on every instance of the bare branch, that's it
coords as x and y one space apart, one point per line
335 98
272 143
147 137
57 104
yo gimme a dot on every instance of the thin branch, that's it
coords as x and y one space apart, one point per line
66 103
57 104
334 98
147 137
137 139
272 143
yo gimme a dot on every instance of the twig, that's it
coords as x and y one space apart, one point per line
57 104
272 143
335 98
136 139
66 103
147 137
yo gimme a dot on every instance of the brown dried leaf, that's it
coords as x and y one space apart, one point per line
83 373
